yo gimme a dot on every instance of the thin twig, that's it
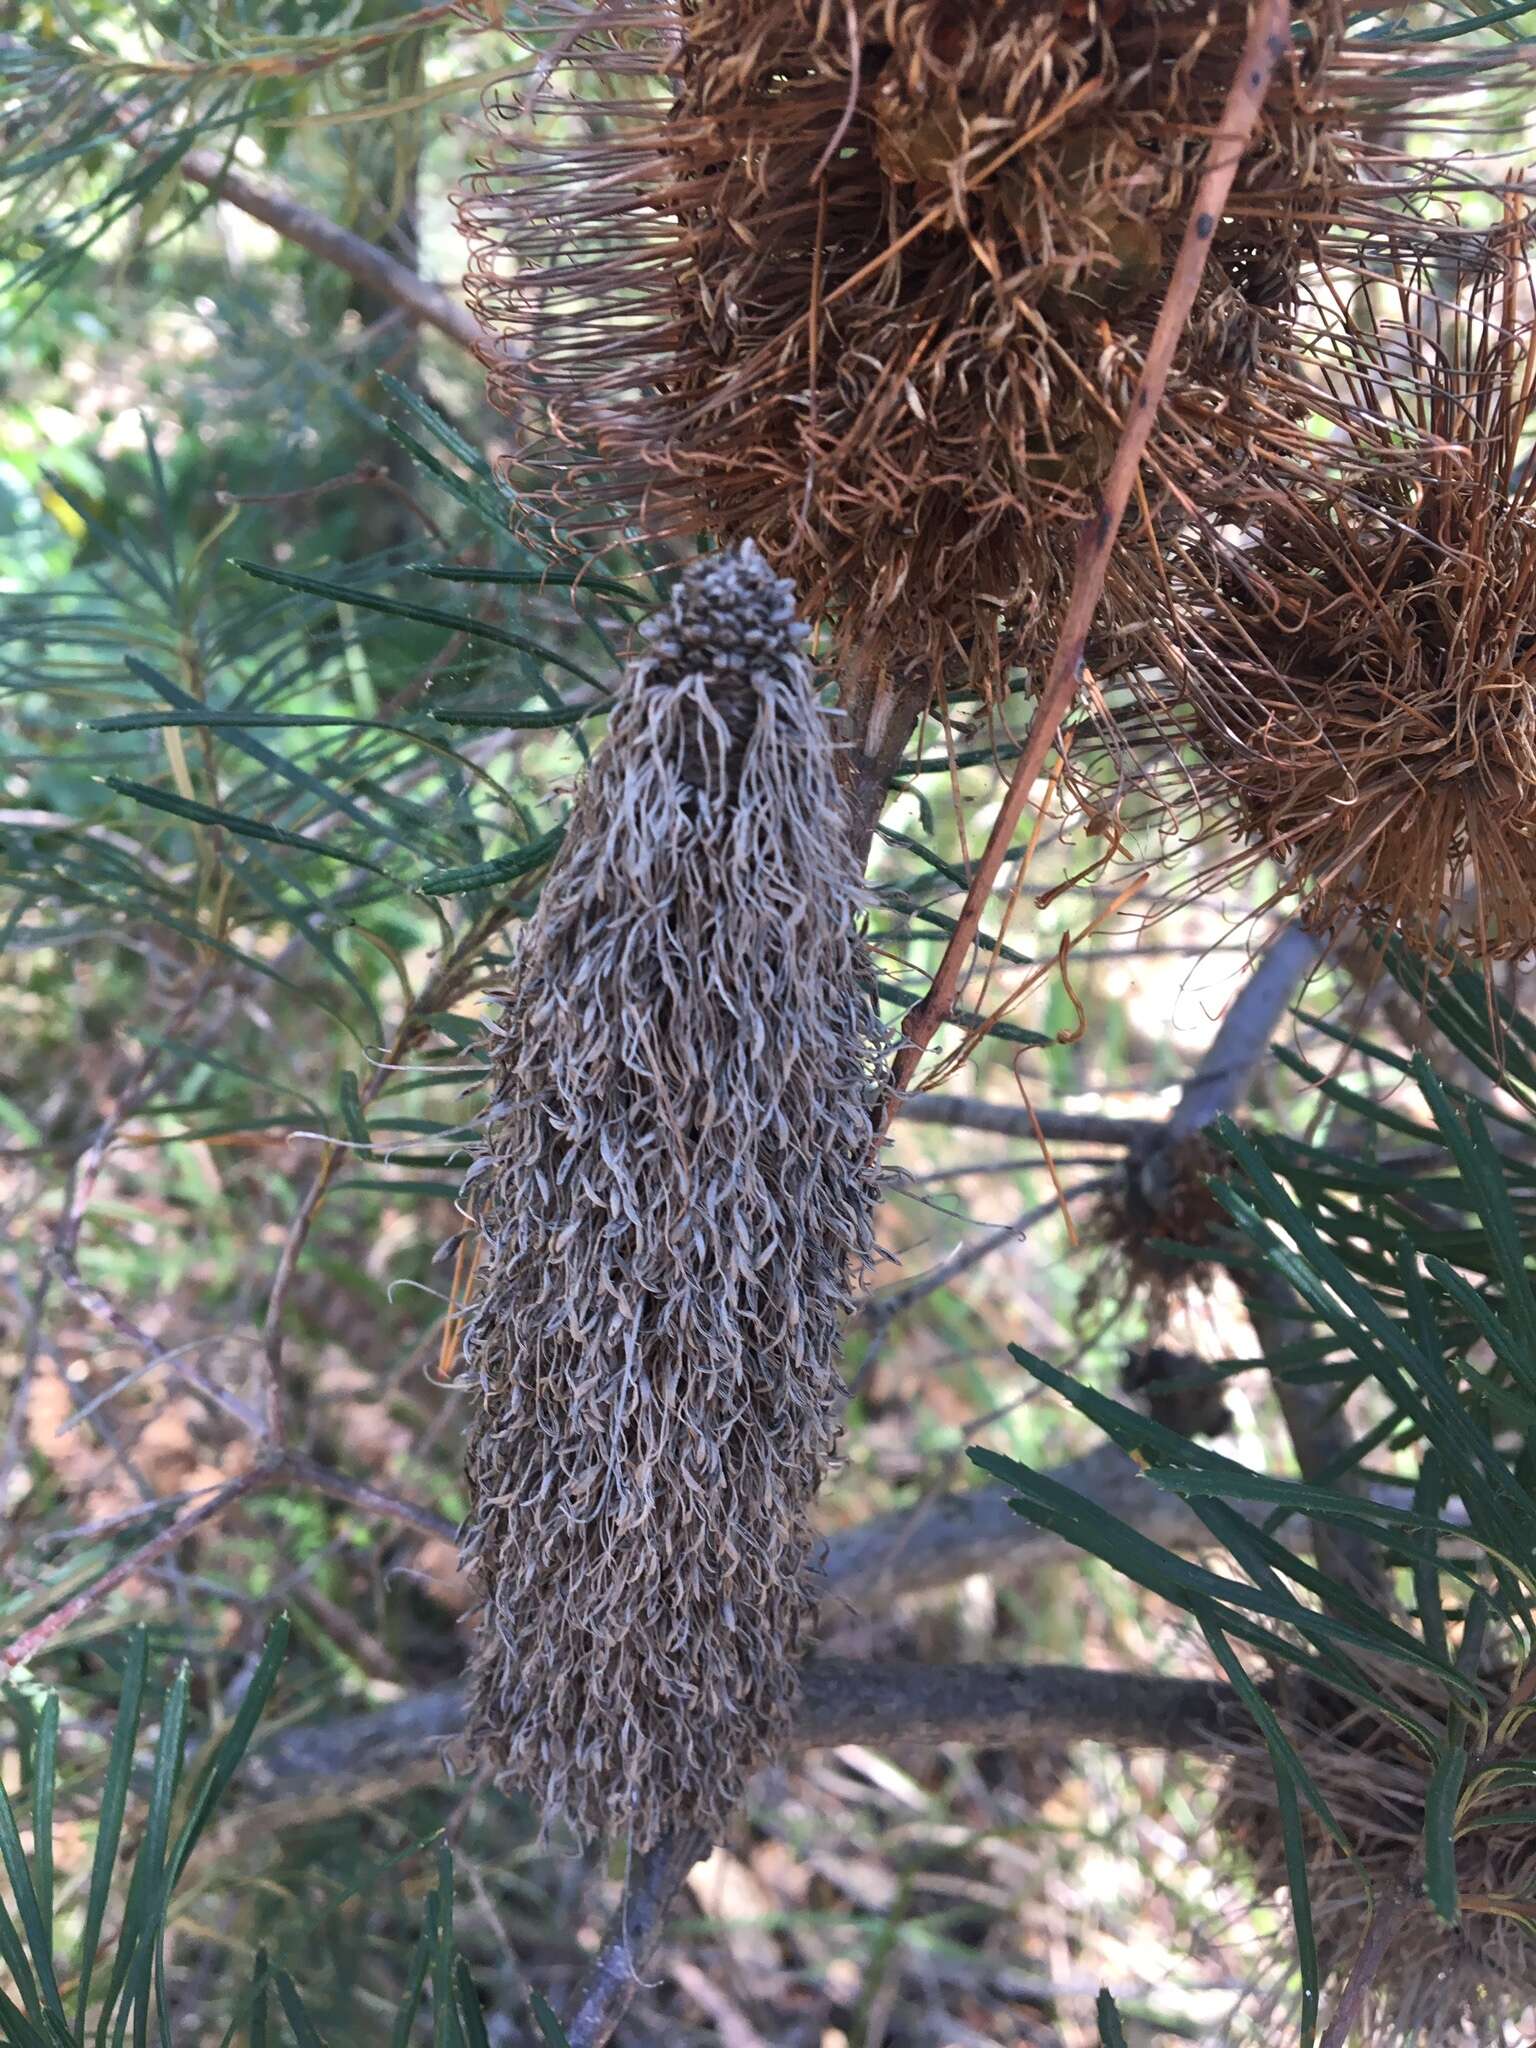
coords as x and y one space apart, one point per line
289 217
269 1475
26 1646
1226 1073
1386 1923
1010 1120
1267 42
367 1499
881 1309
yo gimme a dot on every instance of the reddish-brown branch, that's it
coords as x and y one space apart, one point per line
1268 40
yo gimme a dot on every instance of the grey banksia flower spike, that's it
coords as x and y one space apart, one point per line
676 1184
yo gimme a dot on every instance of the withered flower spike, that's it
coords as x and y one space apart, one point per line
871 283
674 1188
1361 669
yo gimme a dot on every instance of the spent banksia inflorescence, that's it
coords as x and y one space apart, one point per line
872 283
1360 667
675 1186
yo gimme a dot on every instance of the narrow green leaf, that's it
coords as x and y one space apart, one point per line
109 1824
1440 1833
1292 1782
442 430
580 581
44 1778
550 2027
326 794
471 2018
445 2029
242 721
13 1954
230 821
1111 2033
490 874
420 614
261 1977
19 2031
143 1911
1429 1495
293 2006
24 1893
353 1120
416 1978
225 1761
516 718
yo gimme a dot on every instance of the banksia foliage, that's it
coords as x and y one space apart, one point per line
1460 1967
873 283
1362 669
675 1185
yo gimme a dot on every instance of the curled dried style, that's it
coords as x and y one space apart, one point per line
872 283
675 1185
1362 668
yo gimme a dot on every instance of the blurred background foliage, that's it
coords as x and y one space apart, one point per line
294 701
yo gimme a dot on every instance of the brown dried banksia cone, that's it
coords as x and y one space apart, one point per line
1360 669
675 1186
873 283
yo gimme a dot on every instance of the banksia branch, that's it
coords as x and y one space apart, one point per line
675 1186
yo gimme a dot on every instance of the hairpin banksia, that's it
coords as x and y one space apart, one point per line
1360 667
675 1183
872 283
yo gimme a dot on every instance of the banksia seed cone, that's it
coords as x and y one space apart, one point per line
1362 668
872 283
676 1182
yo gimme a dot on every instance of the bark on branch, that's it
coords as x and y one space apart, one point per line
843 1700
300 224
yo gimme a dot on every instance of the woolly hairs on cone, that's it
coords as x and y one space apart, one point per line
675 1188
